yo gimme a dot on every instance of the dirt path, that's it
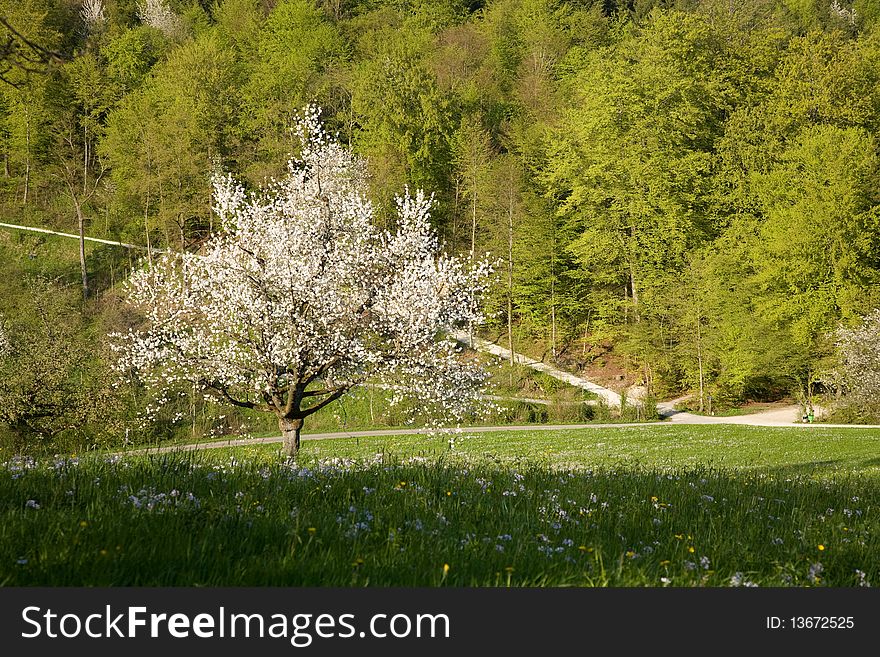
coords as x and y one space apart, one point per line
611 397
774 417
784 416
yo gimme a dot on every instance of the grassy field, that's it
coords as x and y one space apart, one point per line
814 451
629 506
518 396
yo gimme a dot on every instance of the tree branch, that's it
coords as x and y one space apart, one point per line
224 393
294 397
322 369
13 55
332 398
316 393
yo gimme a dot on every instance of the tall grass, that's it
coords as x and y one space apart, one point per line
248 519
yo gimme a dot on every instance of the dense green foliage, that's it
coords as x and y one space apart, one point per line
49 386
689 189
493 517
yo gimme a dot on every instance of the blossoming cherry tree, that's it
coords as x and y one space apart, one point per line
300 296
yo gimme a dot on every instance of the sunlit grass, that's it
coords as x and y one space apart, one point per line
815 451
677 506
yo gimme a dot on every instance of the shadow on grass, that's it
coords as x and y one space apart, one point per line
194 519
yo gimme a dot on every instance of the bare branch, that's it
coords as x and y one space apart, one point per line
224 394
19 52
317 407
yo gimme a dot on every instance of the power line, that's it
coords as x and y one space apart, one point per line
76 237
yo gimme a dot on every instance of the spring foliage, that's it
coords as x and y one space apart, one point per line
301 295
860 364
684 192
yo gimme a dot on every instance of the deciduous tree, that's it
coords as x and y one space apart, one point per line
859 352
301 296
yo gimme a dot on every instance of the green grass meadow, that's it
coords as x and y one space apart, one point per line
628 506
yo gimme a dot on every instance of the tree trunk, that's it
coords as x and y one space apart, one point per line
474 225
80 219
85 160
82 252
290 428
510 276
700 363
147 230
553 290
632 276
702 386
553 319
455 211
635 294
473 250
27 158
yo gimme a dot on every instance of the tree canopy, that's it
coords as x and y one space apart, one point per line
683 194
301 296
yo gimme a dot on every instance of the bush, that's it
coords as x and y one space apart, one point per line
859 368
55 387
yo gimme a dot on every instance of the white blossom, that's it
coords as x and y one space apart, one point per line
301 296
157 14
859 350
5 346
92 12
849 15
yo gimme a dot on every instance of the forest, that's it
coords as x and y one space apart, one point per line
687 192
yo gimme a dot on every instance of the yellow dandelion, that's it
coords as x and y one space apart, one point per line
582 548
665 562
691 549
358 562
679 536
630 554
83 523
312 531
821 547
445 568
508 569
103 553
448 493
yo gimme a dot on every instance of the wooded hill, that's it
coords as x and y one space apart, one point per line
687 188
